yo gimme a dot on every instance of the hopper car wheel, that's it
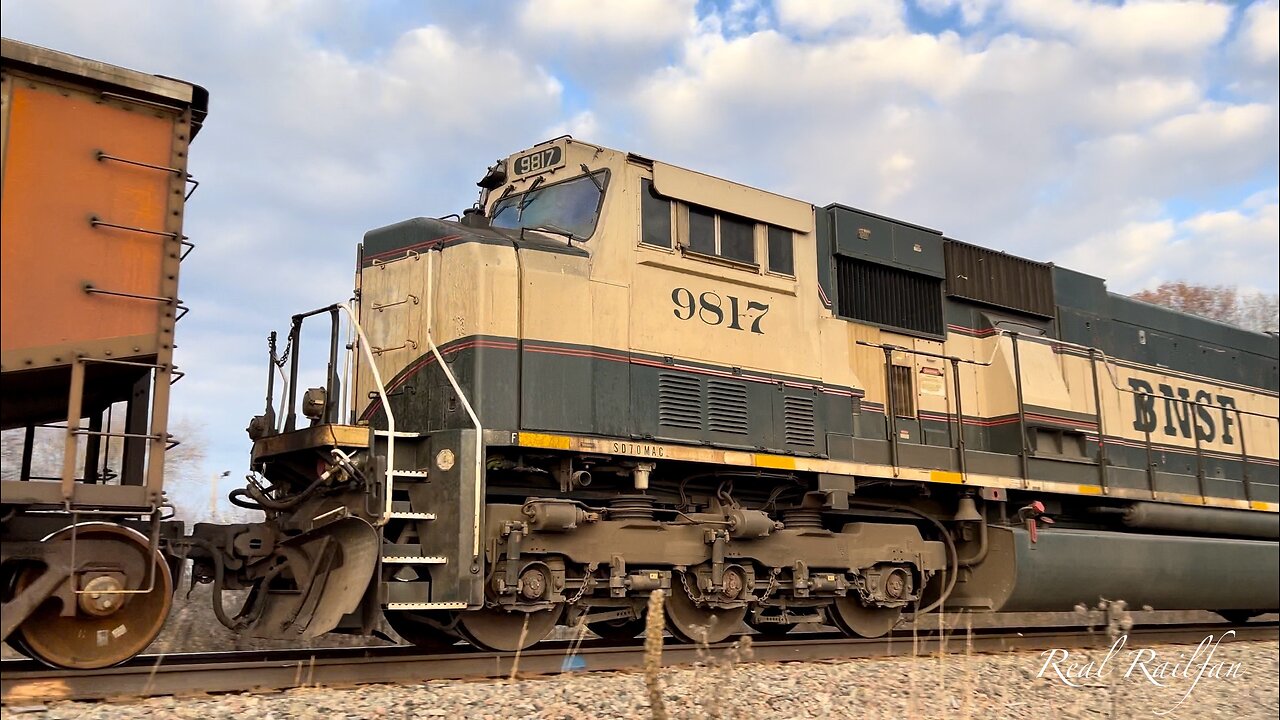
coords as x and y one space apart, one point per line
9 584
619 630
417 630
858 620
497 629
116 626
693 624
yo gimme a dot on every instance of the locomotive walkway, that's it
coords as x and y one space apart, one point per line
25 682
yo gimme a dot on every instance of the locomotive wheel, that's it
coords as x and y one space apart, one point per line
858 620
416 630
503 631
119 625
694 624
619 630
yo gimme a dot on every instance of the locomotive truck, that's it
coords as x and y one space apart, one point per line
614 375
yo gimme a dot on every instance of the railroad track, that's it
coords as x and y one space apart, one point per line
25 681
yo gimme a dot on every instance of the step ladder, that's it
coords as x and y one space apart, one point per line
403 520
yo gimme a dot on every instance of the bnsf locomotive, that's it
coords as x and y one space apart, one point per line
614 375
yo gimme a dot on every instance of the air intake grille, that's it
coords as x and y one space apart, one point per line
888 296
904 394
998 279
679 401
726 407
798 422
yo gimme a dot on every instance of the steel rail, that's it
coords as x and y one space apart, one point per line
25 682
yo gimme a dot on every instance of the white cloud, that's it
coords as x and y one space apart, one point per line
1212 145
608 22
1132 28
1234 246
584 126
971 11
1125 256
815 17
1260 32
1134 102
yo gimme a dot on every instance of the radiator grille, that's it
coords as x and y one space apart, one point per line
994 278
679 401
888 296
798 420
727 407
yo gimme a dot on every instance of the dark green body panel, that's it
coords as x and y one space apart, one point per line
1142 333
863 235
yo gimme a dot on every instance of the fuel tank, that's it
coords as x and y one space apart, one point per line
1065 567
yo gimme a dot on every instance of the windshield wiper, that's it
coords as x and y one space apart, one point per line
528 194
591 176
554 230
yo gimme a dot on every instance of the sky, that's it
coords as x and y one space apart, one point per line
1133 140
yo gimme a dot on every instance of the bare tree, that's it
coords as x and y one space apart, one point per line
1260 311
195 492
1255 311
1216 302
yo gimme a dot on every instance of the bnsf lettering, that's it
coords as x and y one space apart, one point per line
1181 413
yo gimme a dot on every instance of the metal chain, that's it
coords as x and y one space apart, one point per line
773 585
684 580
587 582
284 358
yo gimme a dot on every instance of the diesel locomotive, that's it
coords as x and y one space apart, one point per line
614 375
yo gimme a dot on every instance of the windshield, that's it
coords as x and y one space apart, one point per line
572 206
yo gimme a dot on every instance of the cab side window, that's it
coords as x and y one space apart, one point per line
722 235
655 217
781 251
702 231
737 239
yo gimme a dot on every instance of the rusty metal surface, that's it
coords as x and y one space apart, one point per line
318 436
22 53
24 682
54 184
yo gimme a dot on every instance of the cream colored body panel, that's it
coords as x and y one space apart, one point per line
476 294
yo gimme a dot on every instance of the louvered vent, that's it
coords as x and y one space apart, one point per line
798 421
991 277
904 394
726 407
888 296
679 401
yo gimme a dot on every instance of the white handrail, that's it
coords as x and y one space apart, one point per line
466 405
386 407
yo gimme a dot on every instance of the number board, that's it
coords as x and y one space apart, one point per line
709 307
538 161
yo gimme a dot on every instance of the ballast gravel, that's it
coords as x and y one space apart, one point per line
1232 680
